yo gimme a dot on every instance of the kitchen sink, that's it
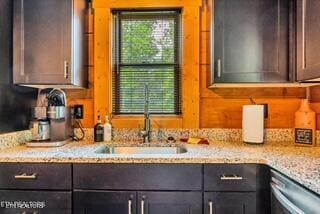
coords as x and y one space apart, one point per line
141 150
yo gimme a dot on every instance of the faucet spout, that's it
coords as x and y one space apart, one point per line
146 132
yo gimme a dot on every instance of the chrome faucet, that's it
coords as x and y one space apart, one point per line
145 133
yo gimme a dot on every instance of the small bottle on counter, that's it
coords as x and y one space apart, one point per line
107 136
98 131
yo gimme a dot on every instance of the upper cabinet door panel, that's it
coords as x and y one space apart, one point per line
42 40
308 38
251 41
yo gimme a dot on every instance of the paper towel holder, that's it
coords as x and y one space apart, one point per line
253 117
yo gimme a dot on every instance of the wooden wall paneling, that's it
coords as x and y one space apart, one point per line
102 62
227 113
315 94
191 82
316 107
145 3
190 64
204 81
157 122
205 48
205 16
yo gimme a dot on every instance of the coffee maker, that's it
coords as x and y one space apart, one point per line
51 123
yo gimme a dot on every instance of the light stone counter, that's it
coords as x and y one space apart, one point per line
299 163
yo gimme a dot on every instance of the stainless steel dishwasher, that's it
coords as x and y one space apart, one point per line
289 197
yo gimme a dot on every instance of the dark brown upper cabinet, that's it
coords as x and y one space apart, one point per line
50 43
251 41
308 40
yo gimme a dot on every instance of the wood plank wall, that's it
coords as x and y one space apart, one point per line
220 107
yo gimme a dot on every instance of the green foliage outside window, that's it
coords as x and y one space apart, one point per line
147 56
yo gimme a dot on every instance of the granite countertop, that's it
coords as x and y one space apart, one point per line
302 164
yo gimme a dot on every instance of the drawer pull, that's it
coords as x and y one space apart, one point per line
25 176
210 207
230 177
35 212
129 207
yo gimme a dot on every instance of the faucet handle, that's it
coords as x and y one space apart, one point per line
142 133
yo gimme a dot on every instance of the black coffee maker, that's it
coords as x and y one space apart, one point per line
51 125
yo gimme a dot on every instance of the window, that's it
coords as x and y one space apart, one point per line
146 51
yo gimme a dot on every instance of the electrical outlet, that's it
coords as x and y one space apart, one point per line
78 111
266 110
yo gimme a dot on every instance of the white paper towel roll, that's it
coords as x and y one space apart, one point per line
253 123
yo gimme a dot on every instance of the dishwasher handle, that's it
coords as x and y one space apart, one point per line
285 202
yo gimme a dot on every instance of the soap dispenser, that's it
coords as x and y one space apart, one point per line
98 131
107 128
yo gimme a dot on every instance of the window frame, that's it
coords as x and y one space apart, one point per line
120 15
190 56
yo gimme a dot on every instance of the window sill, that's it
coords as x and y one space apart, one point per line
157 121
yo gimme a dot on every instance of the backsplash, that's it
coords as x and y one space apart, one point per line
229 135
280 136
14 139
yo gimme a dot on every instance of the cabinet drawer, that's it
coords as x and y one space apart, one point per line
35 176
230 202
39 202
137 176
230 177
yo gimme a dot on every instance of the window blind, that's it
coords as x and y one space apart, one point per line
146 50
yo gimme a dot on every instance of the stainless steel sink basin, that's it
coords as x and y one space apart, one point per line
140 150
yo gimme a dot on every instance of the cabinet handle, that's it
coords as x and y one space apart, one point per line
219 68
66 69
25 176
230 177
129 207
35 212
142 206
304 6
210 207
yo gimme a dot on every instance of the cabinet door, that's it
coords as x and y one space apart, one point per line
230 203
42 41
308 39
40 202
104 202
251 41
169 202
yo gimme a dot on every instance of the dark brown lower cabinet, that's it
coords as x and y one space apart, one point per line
129 202
35 202
134 189
104 202
170 202
230 203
